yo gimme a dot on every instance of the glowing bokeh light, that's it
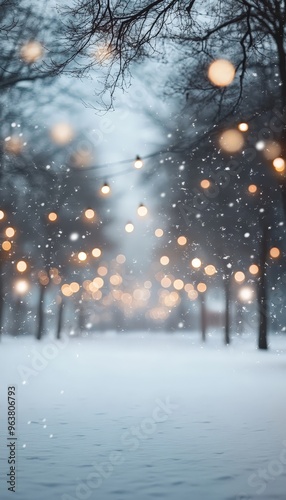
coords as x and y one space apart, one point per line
279 164
82 256
231 141
274 252
205 183
52 216
221 72
239 276
142 210
21 266
138 162
96 252
243 127
62 133
129 228
196 262
252 188
182 240
253 269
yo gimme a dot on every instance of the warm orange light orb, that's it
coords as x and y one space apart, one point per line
10 231
279 164
105 189
164 260
201 287
210 270
6 245
178 284
62 133
82 256
221 72
231 141
96 252
2 214
243 127
239 276
252 188
274 252
142 210
21 266
52 216
205 184
253 269
120 259
159 233
182 240
32 51
89 213
272 150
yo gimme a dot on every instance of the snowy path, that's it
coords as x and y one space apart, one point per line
141 418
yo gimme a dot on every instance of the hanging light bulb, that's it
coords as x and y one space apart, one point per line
138 162
105 189
142 210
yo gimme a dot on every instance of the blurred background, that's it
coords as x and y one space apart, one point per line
156 211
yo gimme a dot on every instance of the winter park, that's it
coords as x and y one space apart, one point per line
143 276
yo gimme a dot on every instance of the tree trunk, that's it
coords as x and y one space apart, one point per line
40 327
262 292
60 319
227 311
203 317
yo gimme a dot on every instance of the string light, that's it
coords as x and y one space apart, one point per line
2 214
89 213
138 162
129 227
142 210
105 189
243 127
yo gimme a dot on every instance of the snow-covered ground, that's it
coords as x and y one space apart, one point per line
145 416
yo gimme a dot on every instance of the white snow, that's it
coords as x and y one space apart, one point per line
145 416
